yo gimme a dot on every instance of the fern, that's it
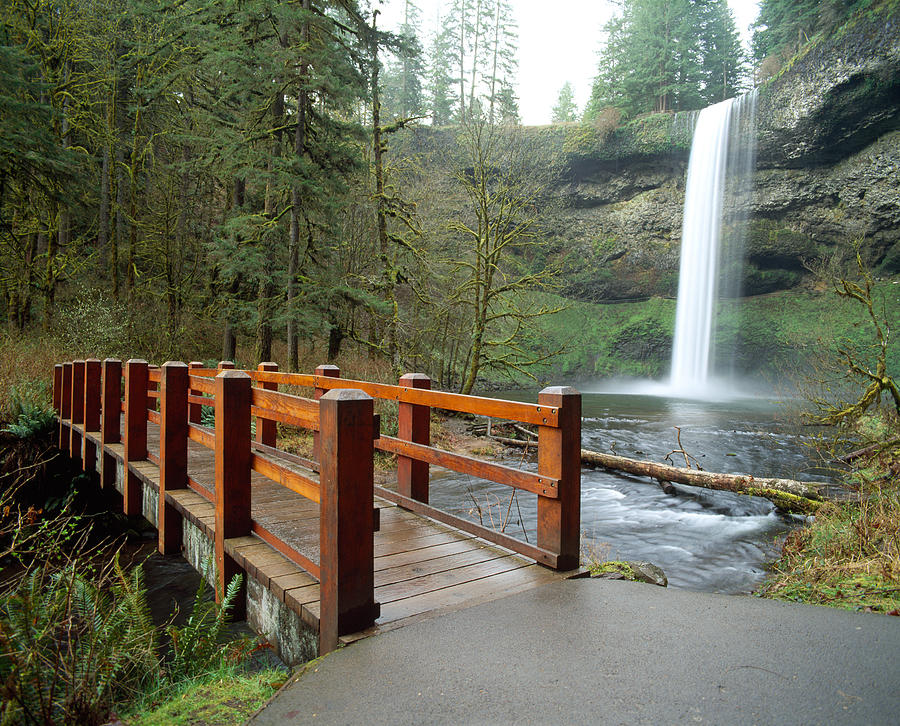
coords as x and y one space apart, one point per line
195 645
74 643
33 421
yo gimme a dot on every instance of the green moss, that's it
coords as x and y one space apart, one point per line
857 592
785 502
584 140
623 568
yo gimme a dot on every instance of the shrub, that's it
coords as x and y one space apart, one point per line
73 644
95 326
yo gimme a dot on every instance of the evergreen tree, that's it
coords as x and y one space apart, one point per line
403 95
481 38
504 46
459 28
565 109
724 66
440 79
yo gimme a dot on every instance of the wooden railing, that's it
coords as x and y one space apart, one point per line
108 397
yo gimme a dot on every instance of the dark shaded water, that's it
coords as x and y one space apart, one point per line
704 540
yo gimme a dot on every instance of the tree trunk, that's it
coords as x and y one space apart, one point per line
495 54
132 203
296 207
103 219
384 251
462 67
12 310
264 324
50 281
475 54
118 236
335 336
229 341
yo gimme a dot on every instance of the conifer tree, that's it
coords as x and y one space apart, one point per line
440 80
403 95
724 67
504 69
565 109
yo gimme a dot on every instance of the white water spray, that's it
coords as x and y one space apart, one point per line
722 149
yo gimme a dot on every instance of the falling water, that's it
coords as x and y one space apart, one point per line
723 150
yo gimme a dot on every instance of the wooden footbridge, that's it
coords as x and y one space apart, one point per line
320 546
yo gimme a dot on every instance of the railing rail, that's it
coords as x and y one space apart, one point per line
103 397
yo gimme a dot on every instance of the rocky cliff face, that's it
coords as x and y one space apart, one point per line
828 172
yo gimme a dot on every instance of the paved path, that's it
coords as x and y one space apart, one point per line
611 652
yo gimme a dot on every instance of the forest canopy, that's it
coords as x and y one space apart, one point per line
213 171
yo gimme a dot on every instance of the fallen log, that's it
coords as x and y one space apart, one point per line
864 452
788 495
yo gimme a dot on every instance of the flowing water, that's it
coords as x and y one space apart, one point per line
717 198
703 540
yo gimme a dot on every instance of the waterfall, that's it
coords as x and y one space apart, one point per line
718 186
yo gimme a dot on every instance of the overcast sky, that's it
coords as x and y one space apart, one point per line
555 46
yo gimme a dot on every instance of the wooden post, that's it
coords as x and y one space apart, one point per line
135 432
329 371
111 420
65 411
267 430
173 448
413 424
77 410
91 411
232 476
559 456
57 388
195 409
226 365
346 544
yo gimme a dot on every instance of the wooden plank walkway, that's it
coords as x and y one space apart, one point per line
422 567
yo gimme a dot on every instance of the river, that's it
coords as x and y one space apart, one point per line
704 540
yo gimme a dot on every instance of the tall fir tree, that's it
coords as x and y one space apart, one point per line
439 86
504 70
724 62
403 79
565 109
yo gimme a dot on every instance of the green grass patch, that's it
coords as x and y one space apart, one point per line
221 699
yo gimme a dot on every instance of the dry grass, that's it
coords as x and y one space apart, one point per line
26 372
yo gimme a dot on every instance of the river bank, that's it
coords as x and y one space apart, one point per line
848 555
